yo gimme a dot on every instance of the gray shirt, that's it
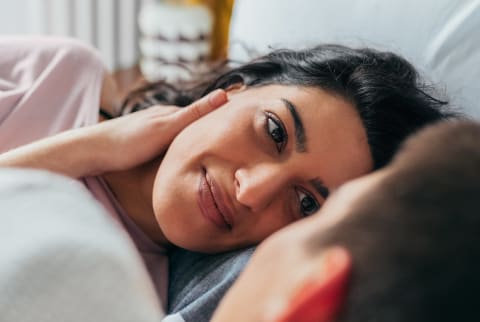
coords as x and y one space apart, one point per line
197 281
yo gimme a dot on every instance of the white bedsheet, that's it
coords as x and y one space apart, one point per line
62 258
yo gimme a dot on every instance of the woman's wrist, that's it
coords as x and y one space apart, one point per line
70 153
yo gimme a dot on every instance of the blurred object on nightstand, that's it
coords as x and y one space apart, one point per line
176 39
222 12
181 38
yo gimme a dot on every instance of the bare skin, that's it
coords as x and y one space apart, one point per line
271 155
100 148
262 182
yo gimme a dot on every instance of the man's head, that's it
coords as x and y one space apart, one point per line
402 244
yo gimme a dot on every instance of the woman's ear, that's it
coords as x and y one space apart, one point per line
235 88
320 297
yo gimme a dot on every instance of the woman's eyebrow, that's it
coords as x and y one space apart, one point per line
301 139
320 187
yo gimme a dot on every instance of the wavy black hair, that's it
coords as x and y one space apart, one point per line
391 99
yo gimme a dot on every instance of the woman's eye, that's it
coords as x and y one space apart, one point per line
276 131
308 204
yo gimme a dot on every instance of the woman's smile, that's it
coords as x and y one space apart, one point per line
211 202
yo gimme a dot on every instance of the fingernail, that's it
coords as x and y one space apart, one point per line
217 97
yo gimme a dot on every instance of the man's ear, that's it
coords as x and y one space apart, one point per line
320 297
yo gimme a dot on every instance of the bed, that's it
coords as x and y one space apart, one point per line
110 284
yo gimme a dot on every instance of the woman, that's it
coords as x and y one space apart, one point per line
294 125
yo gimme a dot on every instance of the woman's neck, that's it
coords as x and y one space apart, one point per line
133 190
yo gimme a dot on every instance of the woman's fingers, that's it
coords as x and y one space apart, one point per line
201 107
146 134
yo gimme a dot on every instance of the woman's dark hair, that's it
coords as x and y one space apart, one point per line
386 90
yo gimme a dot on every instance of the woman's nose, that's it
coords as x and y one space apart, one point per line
257 187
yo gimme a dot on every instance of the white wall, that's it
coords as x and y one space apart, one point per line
14 17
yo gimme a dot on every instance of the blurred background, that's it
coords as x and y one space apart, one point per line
175 39
164 39
109 25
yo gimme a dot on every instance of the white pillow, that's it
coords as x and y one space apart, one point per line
440 37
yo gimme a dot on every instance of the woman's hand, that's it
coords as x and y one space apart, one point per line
135 138
113 145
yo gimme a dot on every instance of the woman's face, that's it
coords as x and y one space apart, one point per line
265 159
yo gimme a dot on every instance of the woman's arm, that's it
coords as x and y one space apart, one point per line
113 145
69 153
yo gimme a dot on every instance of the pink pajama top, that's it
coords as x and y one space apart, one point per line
49 85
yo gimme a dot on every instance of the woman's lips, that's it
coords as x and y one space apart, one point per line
211 203
220 198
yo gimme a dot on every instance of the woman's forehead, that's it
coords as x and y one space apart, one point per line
336 145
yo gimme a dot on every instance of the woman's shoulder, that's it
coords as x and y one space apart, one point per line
44 47
28 60
38 51
54 80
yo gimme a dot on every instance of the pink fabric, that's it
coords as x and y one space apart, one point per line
49 85
154 256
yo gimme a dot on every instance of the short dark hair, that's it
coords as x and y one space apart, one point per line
415 238
391 99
